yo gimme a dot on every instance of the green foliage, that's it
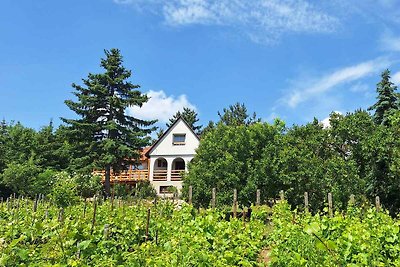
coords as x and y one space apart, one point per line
43 182
88 185
388 100
105 134
21 177
144 190
64 191
190 116
232 157
236 115
182 237
361 237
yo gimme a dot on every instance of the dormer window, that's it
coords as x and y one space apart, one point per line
178 139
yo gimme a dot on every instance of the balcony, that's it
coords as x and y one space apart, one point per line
176 175
125 177
160 175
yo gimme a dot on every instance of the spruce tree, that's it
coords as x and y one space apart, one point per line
190 116
237 115
109 138
387 100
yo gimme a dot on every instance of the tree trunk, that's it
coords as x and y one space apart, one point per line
107 180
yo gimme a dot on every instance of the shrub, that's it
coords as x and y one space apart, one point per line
88 185
64 191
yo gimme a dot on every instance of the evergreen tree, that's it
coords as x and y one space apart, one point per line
387 100
110 138
190 116
237 115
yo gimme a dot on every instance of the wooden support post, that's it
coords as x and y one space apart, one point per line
61 215
330 205
213 197
147 224
190 194
377 203
35 204
94 214
112 198
84 208
258 197
306 201
282 195
105 231
352 200
234 203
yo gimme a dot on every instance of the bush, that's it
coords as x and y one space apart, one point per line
43 182
20 177
145 190
64 191
88 185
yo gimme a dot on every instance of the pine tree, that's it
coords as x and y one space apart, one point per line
190 116
109 138
237 115
387 100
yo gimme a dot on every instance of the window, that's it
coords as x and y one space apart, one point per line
178 139
166 189
161 163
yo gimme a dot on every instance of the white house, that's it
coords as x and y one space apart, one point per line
164 162
170 155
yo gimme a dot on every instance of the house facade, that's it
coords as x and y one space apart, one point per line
170 156
165 162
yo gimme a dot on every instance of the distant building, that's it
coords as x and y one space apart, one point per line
165 161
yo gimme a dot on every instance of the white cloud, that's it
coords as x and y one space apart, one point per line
160 106
305 90
389 42
261 20
396 78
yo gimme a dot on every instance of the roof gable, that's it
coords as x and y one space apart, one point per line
168 131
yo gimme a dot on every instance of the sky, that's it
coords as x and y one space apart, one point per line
288 59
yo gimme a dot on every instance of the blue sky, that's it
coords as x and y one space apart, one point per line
293 59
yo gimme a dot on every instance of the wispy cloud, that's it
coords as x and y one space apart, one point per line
304 90
390 42
396 78
261 20
160 106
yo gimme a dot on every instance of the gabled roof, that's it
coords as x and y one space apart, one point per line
167 132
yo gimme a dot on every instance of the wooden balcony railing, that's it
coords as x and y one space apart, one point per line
176 175
160 175
125 176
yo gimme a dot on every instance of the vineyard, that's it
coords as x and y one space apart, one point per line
132 233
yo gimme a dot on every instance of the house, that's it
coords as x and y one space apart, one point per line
165 161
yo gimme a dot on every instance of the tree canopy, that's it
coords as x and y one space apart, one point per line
105 133
387 99
190 116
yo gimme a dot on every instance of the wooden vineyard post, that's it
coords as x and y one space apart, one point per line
282 195
105 231
190 194
377 203
147 224
112 198
84 208
94 214
306 201
330 206
61 215
214 193
352 200
258 197
35 204
234 203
